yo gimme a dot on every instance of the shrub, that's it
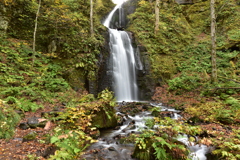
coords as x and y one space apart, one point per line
8 120
71 143
212 112
184 82
229 148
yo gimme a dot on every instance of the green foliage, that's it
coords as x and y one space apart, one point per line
159 148
162 66
183 44
213 112
195 67
55 83
63 32
32 157
78 124
107 97
173 36
76 118
23 104
234 103
21 84
89 112
8 121
150 123
71 143
228 148
185 82
163 140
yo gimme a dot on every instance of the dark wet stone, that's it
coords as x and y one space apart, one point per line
133 122
49 151
117 128
145 107
120 119
33 122
167 114
129 127
117 137
111 149
30 137
212 156
23 126
64 103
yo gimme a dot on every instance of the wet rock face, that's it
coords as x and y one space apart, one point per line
120 20
105 76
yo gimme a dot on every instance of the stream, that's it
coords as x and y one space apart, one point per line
110 146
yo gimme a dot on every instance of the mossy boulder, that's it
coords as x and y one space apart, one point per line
104 118
30 137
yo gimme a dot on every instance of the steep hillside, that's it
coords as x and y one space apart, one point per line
180 54
63 32
49 87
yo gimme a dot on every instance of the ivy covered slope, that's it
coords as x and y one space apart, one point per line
180 54
54 76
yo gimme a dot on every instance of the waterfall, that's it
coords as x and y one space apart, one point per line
124 63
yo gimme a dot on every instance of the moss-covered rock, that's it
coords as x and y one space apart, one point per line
104 119
30 136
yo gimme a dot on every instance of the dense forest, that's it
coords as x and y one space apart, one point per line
51 53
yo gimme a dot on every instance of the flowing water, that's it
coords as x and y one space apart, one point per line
125 88
109 146
124 63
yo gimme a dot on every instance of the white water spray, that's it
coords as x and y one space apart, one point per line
124 65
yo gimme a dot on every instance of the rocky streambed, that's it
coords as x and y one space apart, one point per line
116 143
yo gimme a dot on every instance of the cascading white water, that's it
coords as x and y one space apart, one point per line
124 64
125 83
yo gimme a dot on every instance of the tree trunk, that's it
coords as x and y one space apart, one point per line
213 39
157 16
91 18
34 33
